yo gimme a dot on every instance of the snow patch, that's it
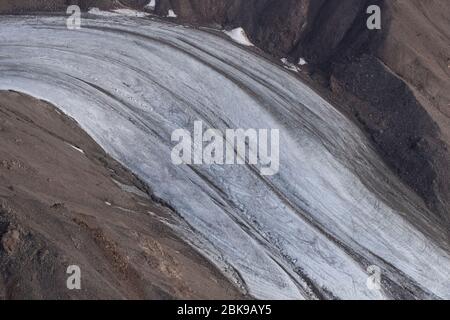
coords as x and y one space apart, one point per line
151 5
76 148
118 12
98 12
171 14
302 62
290 66
131 13
238 35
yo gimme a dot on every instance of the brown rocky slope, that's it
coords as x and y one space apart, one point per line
64 202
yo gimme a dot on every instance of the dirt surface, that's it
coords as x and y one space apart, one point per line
64 202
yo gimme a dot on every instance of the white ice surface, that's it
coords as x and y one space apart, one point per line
171 14
310 231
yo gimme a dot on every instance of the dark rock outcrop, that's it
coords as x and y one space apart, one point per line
404 133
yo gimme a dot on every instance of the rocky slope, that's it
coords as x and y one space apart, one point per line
65 202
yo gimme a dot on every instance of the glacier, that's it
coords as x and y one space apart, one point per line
309 232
